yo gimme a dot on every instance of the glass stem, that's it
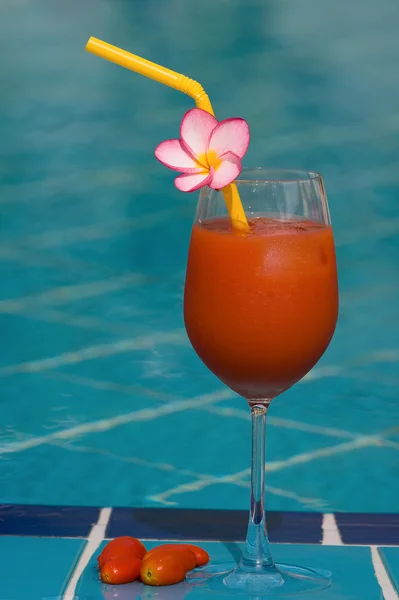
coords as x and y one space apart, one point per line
256 555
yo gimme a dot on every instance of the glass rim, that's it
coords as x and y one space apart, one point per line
278 175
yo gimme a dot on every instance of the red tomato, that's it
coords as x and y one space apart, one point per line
124 545
162 568
201 555
186 556
121 569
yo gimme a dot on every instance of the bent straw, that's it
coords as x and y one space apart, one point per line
182 84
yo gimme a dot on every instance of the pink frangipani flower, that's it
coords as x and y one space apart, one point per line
207 153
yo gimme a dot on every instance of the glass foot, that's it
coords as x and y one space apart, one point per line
277 580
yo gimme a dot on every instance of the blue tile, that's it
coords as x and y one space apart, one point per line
298 527
390 557
373 529
57 521
211 525
178 524
344 563
47 566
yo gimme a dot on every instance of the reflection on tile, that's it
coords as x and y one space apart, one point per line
37 568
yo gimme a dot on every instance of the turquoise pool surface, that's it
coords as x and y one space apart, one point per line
103 401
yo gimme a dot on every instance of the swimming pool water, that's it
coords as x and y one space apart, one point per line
104 403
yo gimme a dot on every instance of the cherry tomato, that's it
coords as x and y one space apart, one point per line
121 569
162 569
201 555
124 545
186 556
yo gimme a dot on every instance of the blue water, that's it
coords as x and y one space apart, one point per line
103 400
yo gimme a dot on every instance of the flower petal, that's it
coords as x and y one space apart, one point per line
228 170
230 135
195 130
191 183
173 154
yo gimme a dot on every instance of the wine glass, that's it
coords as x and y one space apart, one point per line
260 309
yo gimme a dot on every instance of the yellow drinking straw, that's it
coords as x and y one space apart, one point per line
182 84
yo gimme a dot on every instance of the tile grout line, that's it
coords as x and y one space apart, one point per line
384 580
331 533
96 536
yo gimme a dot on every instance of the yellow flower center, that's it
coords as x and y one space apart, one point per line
210 159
